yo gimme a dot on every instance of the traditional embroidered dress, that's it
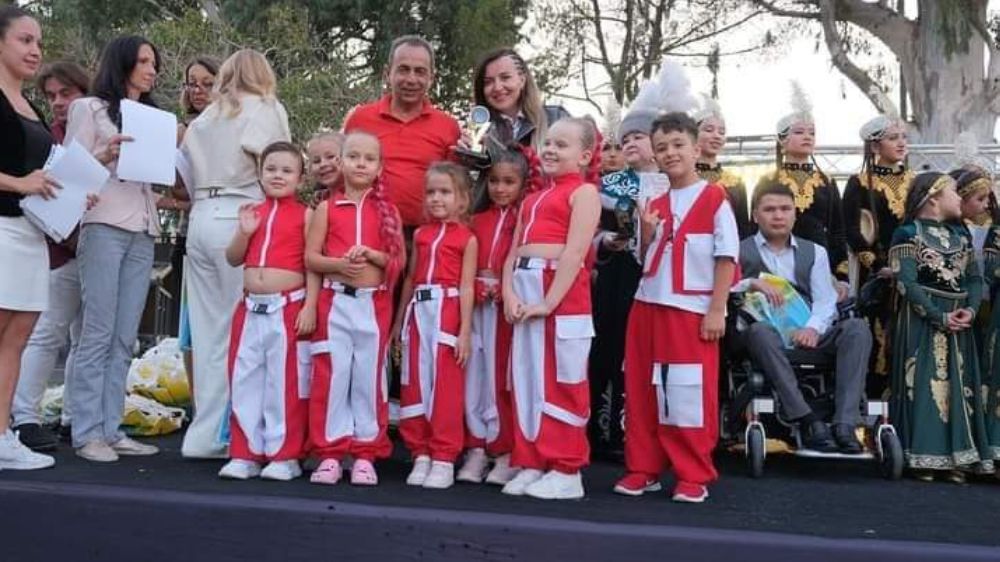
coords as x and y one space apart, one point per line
874 205
937 402
818 210
736 190
991 355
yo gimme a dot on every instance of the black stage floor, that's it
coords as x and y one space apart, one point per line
167 508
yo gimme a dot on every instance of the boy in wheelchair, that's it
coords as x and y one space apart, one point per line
823 341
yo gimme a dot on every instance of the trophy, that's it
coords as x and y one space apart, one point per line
477 126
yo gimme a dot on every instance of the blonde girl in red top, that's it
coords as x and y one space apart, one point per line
324 151
267 376
487 384
355 242
546 293
434 324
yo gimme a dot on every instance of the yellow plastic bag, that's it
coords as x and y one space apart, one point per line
145 417
159 375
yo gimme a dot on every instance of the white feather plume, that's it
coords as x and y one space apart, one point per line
801 105
709 108
668 91
967 150
612 118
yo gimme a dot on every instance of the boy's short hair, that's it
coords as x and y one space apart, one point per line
675 122
770 188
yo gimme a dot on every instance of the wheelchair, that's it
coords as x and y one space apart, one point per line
749 408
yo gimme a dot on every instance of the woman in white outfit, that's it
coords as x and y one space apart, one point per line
223 145
25 141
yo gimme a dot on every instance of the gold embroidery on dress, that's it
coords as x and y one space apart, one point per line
802 184
943 235
881 364
940 388
894 187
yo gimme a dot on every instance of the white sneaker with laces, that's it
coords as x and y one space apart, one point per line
15 456
556 485
128 447
240 469
474 467
526 477
97 451
502 471
281 470
421 466
441 476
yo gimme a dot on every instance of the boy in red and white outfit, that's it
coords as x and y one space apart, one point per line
269 380
691 247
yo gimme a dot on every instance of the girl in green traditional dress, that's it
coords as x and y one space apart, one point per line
936 399
991 355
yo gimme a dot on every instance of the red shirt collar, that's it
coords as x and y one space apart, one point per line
385 107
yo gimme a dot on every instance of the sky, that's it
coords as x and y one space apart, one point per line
755 92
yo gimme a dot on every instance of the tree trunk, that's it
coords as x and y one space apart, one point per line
948 91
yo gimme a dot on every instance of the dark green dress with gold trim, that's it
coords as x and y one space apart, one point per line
991 355
937 403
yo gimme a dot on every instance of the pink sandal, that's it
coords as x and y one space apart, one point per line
328 472
363 473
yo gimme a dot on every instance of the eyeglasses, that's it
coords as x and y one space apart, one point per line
197 86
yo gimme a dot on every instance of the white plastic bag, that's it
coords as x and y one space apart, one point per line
159 375
146 417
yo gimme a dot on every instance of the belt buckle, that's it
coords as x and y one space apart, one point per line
259 308
523 262
350 291
214 192
424 295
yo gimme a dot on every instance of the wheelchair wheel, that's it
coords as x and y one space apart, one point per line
891 461
755 446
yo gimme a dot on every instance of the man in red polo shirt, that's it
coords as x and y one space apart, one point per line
412 131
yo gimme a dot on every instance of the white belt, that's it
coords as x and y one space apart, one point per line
350 290
433 292
535 263
215 192
267 304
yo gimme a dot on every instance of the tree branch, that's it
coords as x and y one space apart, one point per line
775 10
834 44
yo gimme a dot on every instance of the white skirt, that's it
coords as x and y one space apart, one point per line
24 266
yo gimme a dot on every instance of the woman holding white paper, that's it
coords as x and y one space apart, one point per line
115 253
223 145
24 276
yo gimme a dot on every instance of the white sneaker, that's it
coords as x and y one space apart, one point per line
502 471
523 479
474 467
556 485
281 470
421 466
240 469
97 451
15 456
441 476
128 447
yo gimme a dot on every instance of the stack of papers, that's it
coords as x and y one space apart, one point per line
78 173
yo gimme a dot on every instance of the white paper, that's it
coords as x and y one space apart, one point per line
148 157
185 171
651 186
78 173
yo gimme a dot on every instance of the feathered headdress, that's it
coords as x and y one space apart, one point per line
709 108
612 119
801 110
668 91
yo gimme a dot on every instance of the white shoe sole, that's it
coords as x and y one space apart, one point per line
470 477
654 487
37 465
690 499
282 477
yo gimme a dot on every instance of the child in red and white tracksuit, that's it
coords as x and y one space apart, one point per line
488 413
546 292
691 247
268 360
356 244
434 324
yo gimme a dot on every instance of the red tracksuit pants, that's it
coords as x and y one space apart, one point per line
268 379
488 408
432 385
551 395
348 409
671 394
